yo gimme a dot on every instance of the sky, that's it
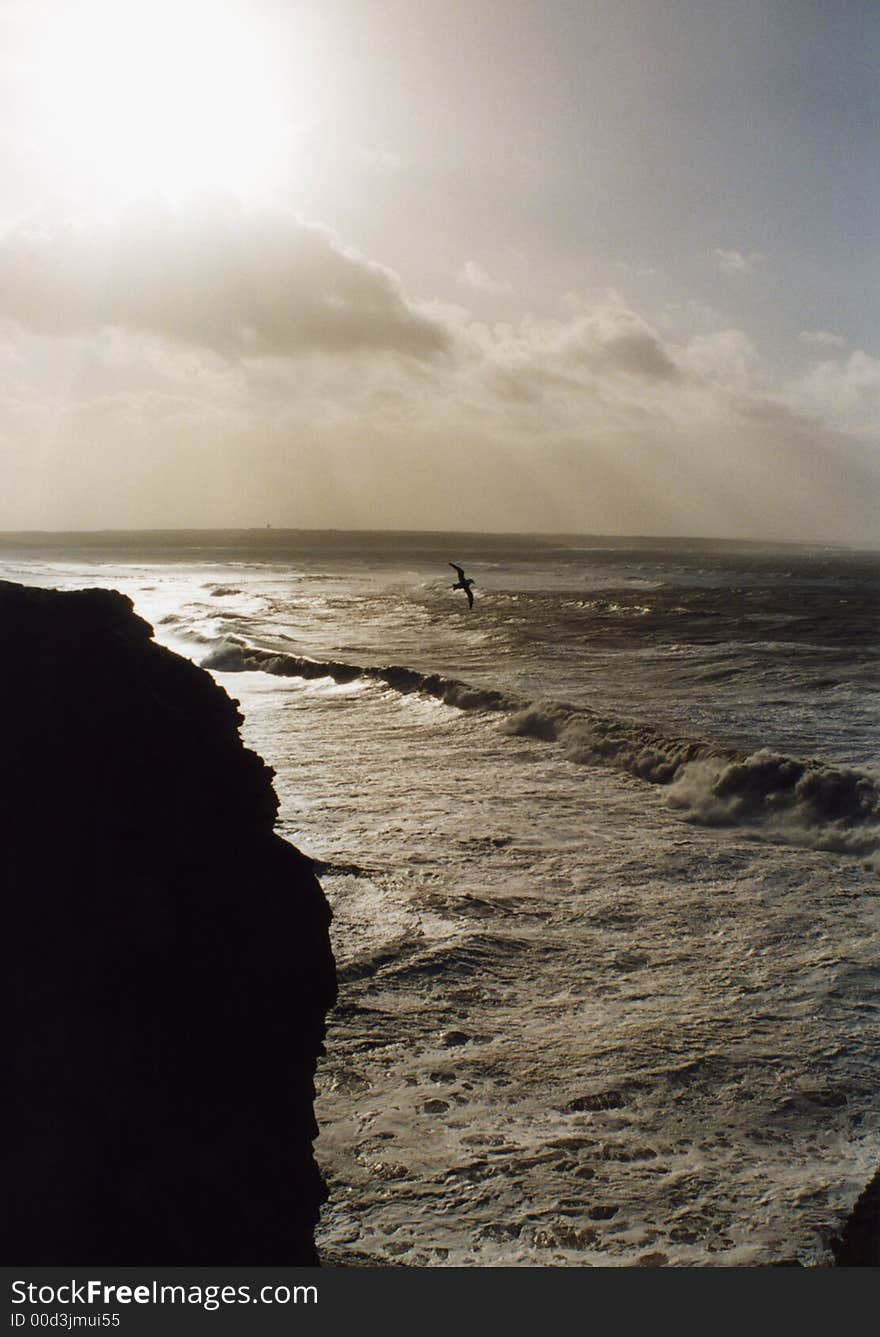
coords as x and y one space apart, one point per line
584 266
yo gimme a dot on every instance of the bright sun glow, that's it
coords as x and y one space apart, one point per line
170 97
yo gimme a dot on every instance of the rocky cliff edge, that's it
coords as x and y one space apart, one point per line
169 957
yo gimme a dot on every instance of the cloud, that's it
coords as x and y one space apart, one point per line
738 262
845 395
378 160
636 271
823 338
603 348
473 275
640 354
596 421
725 360
243 284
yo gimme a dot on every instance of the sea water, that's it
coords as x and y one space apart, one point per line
603 861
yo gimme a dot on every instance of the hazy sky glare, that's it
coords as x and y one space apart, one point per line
425 263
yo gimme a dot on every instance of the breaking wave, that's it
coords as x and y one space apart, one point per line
232 657
811 803
593 739
798 802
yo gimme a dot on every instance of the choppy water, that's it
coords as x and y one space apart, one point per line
603 856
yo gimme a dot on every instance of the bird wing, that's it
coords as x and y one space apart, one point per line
458 569
470 597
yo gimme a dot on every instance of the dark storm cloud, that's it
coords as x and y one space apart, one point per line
243 284
640 354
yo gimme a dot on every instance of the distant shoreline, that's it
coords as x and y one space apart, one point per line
268 536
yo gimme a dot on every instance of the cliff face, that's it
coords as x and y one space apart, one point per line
170 960
859 1242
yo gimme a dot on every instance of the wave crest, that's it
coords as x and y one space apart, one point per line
234 657
810 803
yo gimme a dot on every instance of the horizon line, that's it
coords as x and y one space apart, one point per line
277 530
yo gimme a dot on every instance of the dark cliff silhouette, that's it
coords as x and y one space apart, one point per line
858 1244
168 956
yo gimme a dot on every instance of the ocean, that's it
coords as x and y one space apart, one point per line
603 858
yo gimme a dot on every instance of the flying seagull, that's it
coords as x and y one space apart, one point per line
463 583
